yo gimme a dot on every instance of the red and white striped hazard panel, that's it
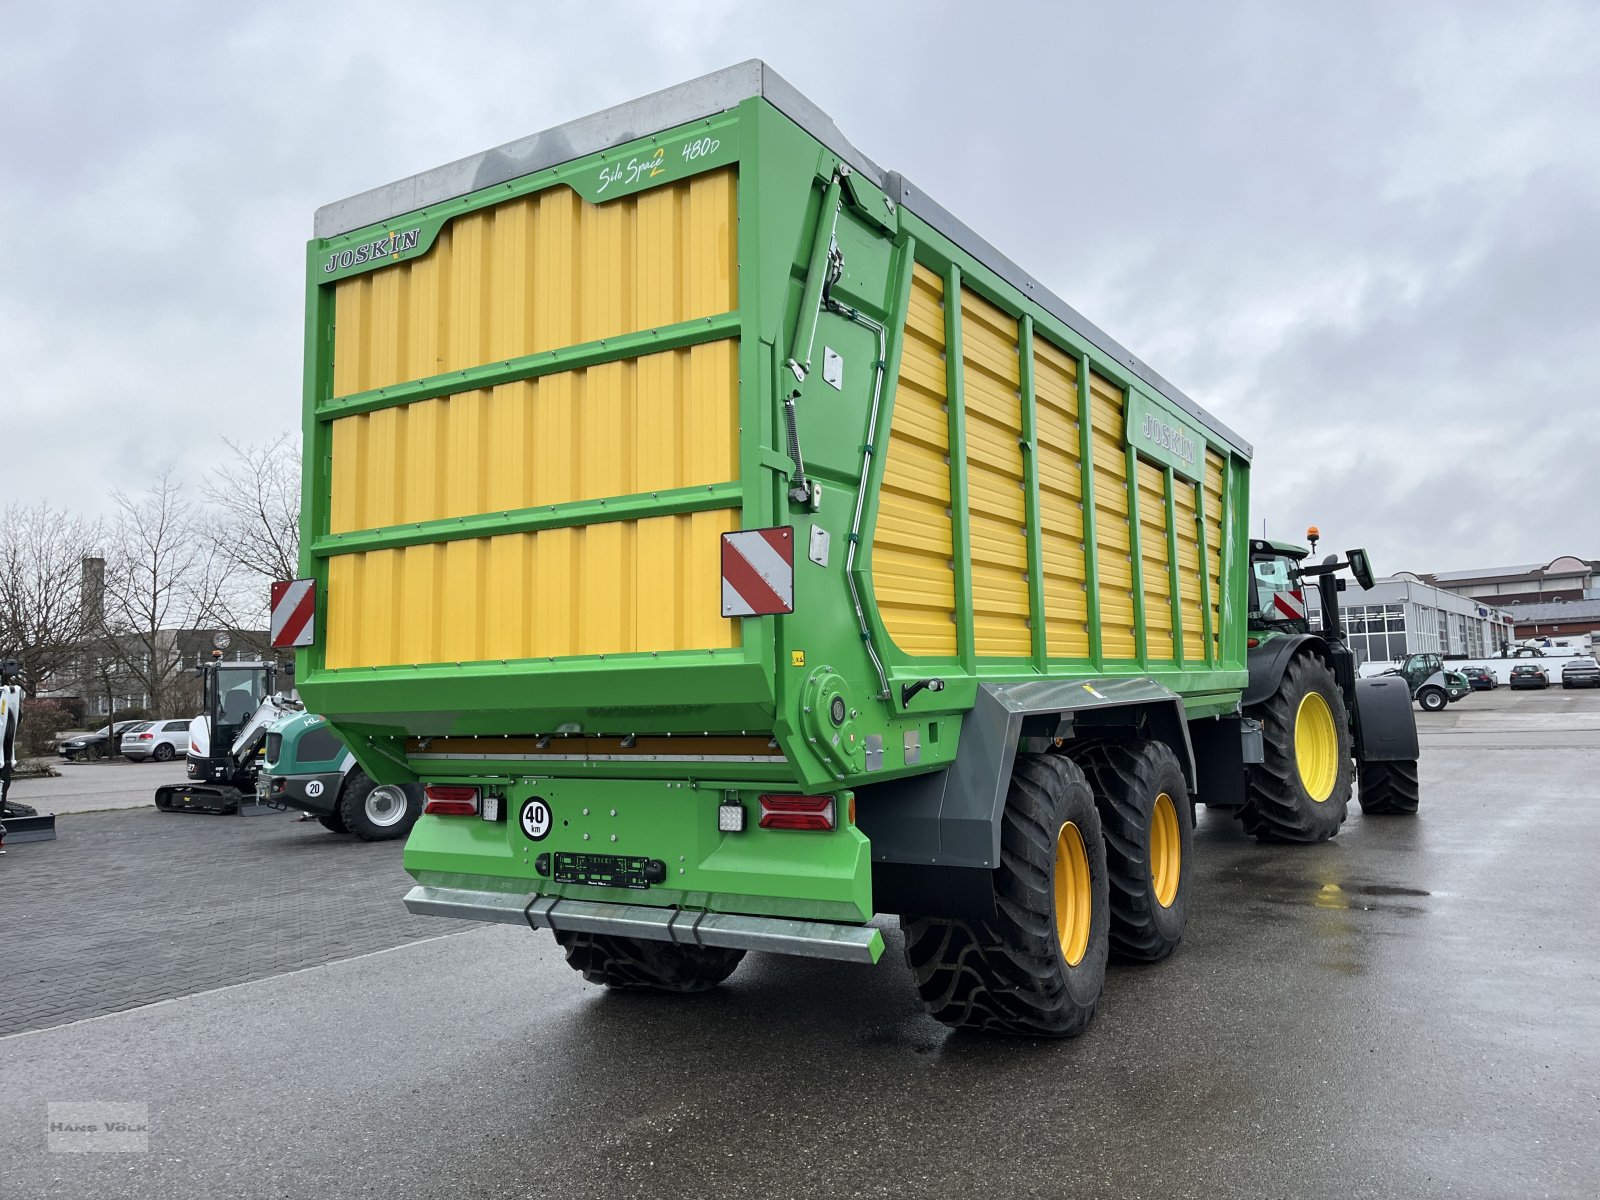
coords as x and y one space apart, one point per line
758 572
1290 605
294 607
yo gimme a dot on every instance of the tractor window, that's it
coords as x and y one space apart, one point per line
1275 595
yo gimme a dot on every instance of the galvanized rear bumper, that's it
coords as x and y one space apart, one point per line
777 935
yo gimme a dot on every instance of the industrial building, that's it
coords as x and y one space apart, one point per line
1566 577
1402 615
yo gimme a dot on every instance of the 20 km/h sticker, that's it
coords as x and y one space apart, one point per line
536 819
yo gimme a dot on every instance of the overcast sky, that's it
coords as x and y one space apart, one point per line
1366 236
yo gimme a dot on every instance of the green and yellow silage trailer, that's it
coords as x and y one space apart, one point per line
740 549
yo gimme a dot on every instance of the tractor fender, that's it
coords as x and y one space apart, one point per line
1386 724
1268 661
936 837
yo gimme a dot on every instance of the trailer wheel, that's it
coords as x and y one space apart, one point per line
374 813
1148 825
1389 788
639 965
1037 969
1432 699
1301 792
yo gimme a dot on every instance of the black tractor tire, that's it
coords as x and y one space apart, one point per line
332 822
1011 974
1278 806
374 826
1432 699
15 808
1128 780
1389 788
634 964
163 753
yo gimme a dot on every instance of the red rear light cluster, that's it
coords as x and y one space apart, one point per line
451 800
147 737
798 812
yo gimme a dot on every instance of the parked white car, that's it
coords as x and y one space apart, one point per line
160 740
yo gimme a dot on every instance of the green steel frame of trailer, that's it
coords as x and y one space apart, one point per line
635 748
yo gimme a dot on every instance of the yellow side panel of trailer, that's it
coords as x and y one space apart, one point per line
666 420
540 273
913 562
1155 561
1215 486
1107 409
615 588
532 274
1194 648
1066 603
990 383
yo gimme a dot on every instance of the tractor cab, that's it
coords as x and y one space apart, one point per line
1277 599
1418 668
1278 573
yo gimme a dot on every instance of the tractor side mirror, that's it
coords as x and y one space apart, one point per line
1361 568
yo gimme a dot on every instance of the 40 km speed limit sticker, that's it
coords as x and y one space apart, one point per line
536 819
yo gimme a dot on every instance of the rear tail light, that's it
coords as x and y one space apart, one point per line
147 737
797 812
451 800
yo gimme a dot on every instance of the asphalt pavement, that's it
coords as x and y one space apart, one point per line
91 786
1412 1009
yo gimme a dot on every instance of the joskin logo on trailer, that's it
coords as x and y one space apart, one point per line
391 245
1165 438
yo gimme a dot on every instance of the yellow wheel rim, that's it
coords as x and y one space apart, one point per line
1074 895
1166 850
1316 746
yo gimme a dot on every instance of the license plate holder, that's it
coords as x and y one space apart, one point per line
608 870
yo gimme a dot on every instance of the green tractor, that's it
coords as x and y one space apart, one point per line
1320 725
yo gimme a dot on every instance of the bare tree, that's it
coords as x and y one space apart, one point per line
163 575
257 494
43 609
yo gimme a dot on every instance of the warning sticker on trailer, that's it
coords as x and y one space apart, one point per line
294 605
758 572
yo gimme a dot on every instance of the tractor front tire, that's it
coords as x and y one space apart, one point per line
1389 789
1301 791
1147 821
1432 699
634 964
1038 967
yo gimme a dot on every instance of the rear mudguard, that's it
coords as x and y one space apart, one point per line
1386 724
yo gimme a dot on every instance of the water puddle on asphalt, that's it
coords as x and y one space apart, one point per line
1364 897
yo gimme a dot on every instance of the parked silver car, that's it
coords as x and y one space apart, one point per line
158 740
1580 672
